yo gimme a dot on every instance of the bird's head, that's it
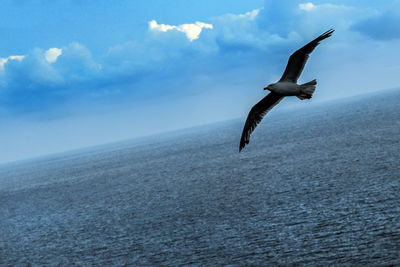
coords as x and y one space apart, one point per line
269 87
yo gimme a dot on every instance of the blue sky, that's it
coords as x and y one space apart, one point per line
81 73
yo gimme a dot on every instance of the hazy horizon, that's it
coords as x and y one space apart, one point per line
288 105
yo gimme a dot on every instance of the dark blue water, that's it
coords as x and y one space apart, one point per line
316 186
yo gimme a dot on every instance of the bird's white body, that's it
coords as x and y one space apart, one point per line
285 88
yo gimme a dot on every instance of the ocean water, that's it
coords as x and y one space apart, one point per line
316 186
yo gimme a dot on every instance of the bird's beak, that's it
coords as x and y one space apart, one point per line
265 88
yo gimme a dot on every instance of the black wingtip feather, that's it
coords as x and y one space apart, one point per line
299 58
327 34
242 145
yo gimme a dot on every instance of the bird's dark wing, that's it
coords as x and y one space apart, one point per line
299 58
256 114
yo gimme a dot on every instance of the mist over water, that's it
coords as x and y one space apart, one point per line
317 186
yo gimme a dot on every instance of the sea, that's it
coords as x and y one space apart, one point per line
318 185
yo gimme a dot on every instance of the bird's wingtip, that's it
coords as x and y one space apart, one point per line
326 34
329 32
241 146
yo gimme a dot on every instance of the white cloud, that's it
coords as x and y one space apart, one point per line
4 61
310 6
18 58
153 25
191 30
52 54
248 16
307 6
251 14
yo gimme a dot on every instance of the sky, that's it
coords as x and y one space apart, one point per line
80 73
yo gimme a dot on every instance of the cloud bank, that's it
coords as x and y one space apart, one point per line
180 59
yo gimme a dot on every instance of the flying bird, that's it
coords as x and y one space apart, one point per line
286 86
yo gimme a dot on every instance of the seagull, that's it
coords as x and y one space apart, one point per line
286 86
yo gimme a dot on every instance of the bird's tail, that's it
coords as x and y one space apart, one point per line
307 90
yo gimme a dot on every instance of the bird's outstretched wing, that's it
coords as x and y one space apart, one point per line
299 58
256 114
